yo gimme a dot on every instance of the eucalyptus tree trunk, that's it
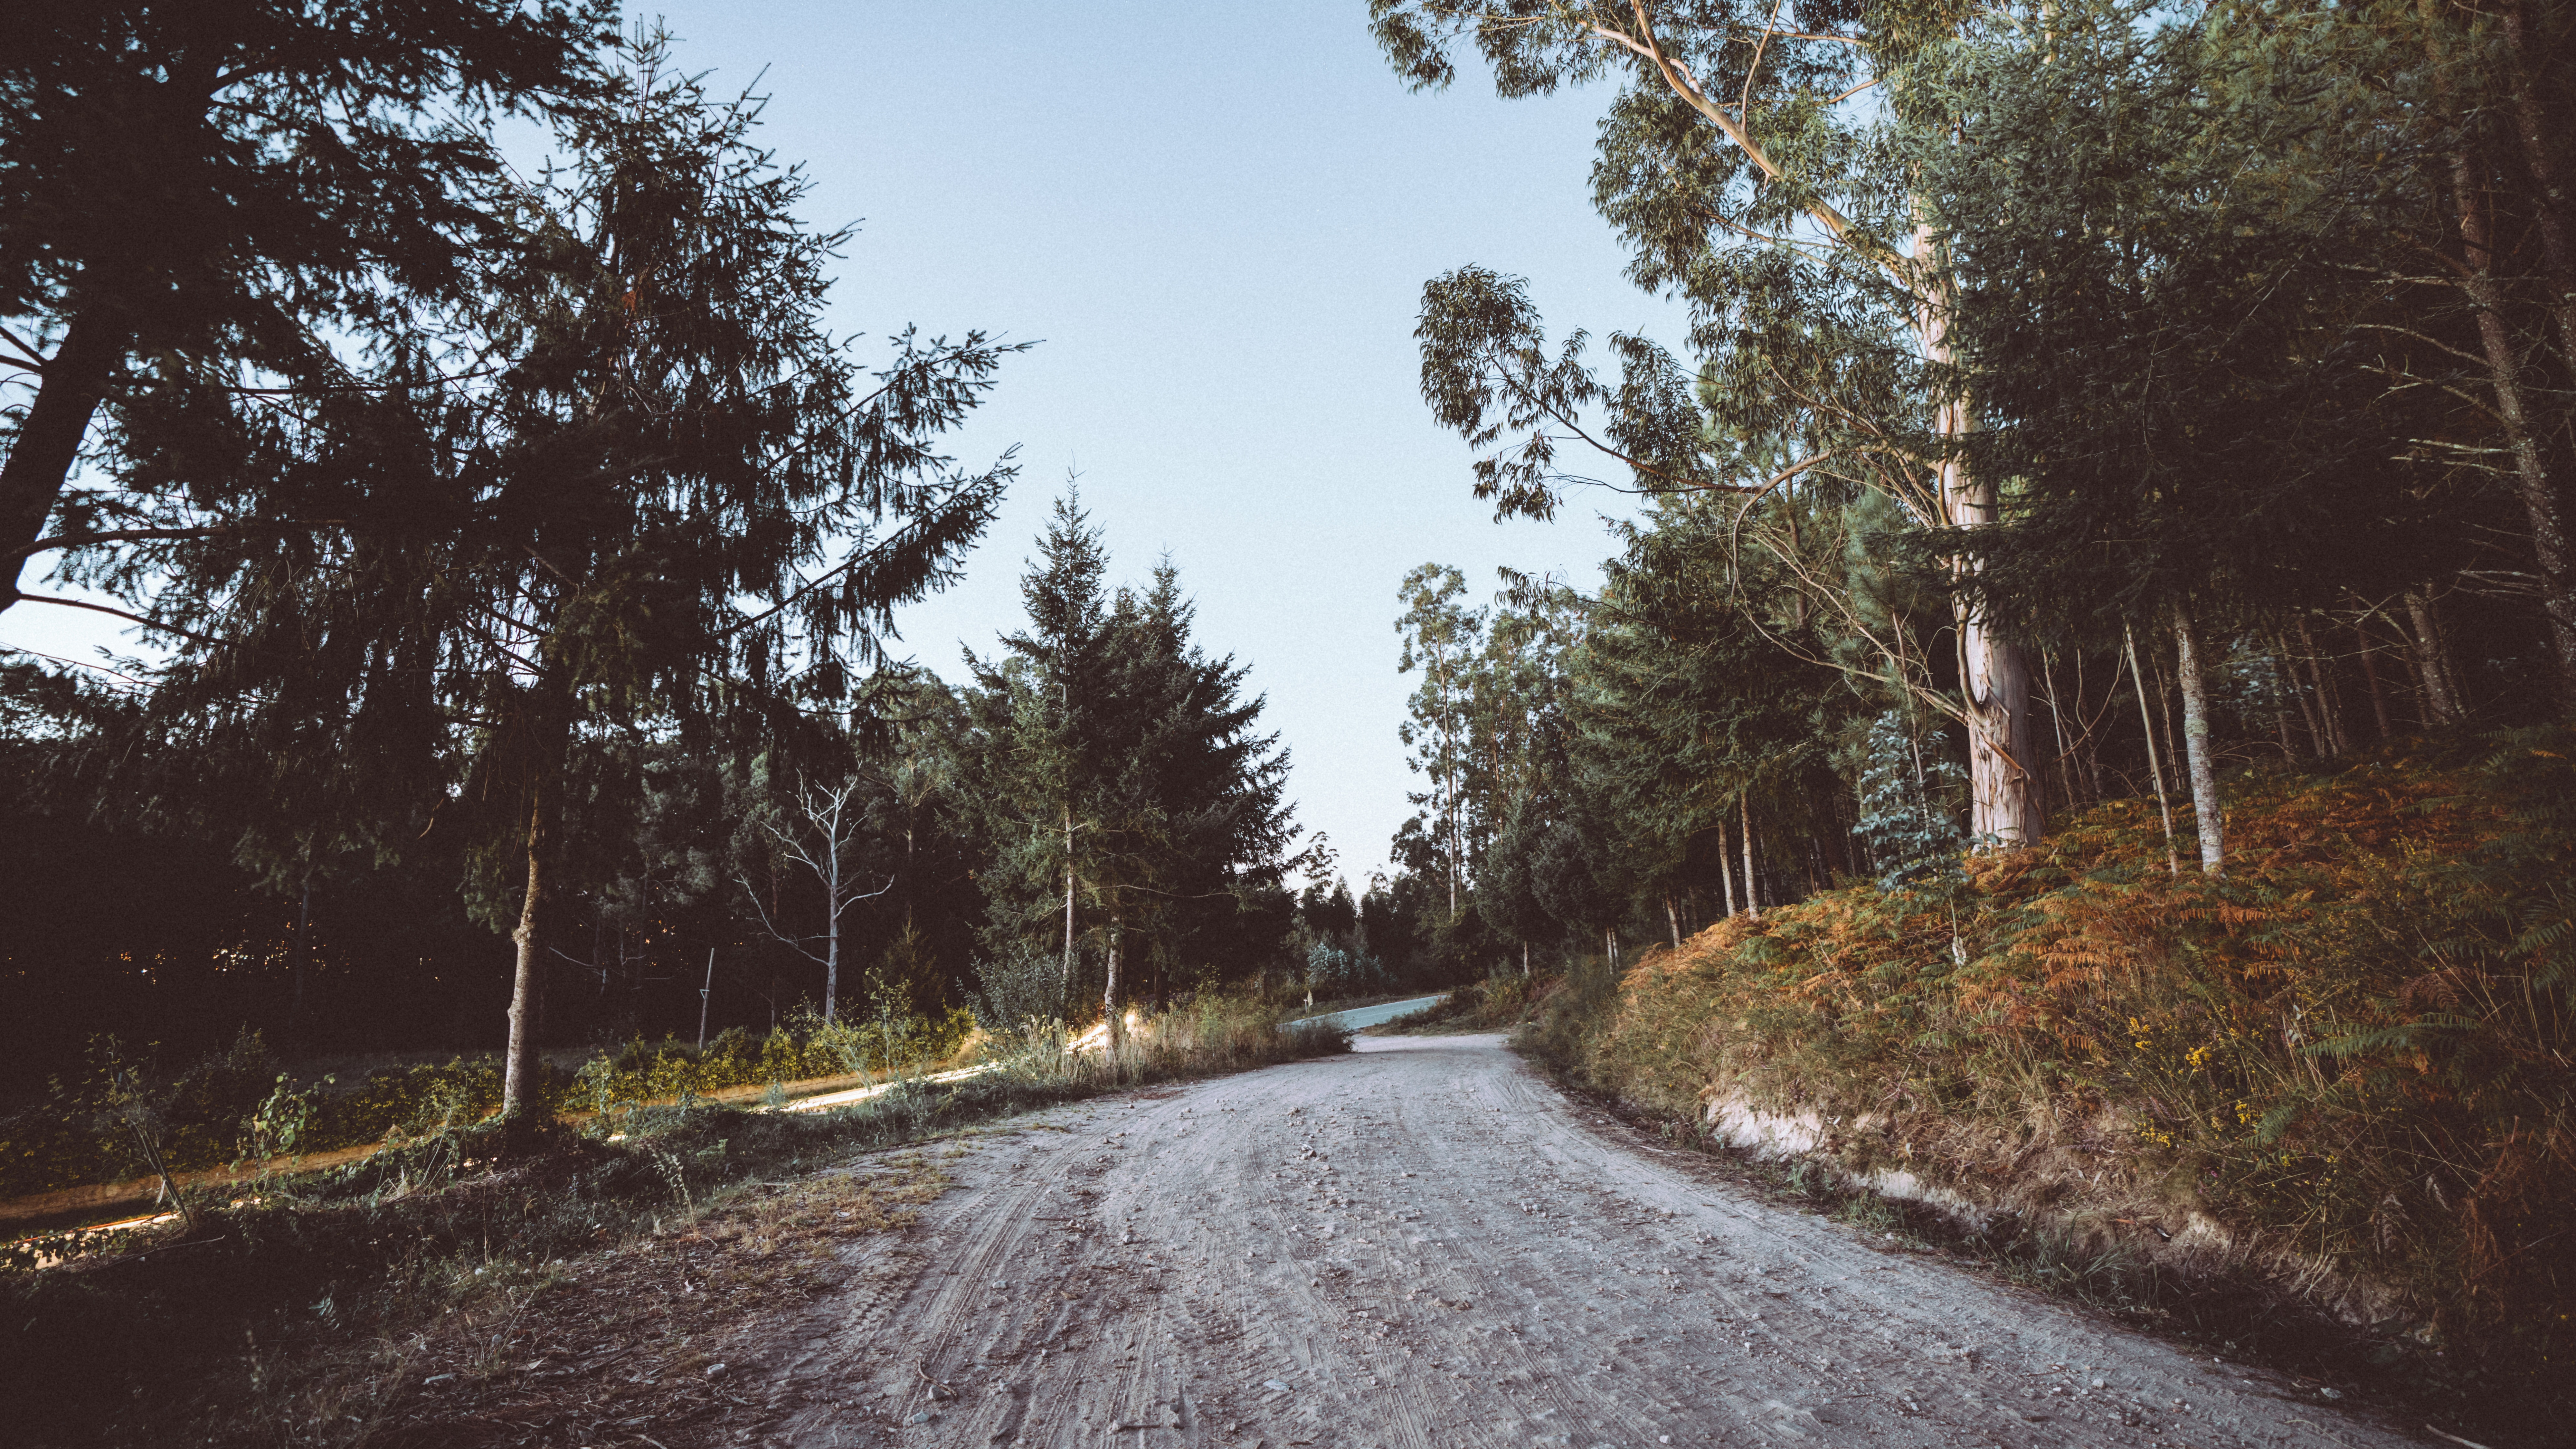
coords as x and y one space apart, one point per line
2441 705
1752 905
2196 751
2005 806
1109 992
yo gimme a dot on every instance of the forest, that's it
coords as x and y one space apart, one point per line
2135 396
516 588
2080 705
2089 636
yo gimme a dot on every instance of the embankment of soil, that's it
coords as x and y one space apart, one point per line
2341 1071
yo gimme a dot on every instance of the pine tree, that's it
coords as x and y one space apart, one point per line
559 549
191 194
1125 776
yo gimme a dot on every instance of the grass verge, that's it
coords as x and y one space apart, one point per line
1498 1003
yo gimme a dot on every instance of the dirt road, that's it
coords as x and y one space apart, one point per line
1423 1244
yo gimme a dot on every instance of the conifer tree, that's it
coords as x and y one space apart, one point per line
191 194
561 547
1126 782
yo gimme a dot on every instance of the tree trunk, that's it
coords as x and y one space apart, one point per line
2006 809
832 929
2057 726
1109 994
1610 946
2155 767
2087 752
2329 707
48 442
2440 704
519 1068
2299 695
2370 676
2532 474
1752 907
302 953
2548 179
2195 739
1067 996
706 994
1994 673
1525 964
1673 919
1725 870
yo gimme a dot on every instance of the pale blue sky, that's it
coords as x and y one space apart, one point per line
1217 220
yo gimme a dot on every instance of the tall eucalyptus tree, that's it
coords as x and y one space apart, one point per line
1745 182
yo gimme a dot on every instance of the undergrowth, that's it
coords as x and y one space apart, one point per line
244 1103
204 1325
1497 1003
2345 1064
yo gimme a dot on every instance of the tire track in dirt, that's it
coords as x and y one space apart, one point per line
1429 1246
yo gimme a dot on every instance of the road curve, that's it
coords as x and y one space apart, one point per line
1378 1015
1424 1244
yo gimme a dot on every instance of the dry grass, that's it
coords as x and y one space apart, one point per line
2348 1065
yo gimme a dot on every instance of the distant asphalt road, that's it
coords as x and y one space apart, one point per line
1360 1016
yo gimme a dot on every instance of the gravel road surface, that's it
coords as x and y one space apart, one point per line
1424 1244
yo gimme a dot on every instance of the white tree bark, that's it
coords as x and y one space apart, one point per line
2196 751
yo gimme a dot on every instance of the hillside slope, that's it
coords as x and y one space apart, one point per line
2344 1067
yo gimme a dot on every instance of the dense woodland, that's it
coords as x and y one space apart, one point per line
2119 399
2081 706
517 558
2081 402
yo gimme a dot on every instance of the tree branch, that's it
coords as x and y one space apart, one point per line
192 637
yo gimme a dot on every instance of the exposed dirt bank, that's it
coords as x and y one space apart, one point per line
1424 1244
